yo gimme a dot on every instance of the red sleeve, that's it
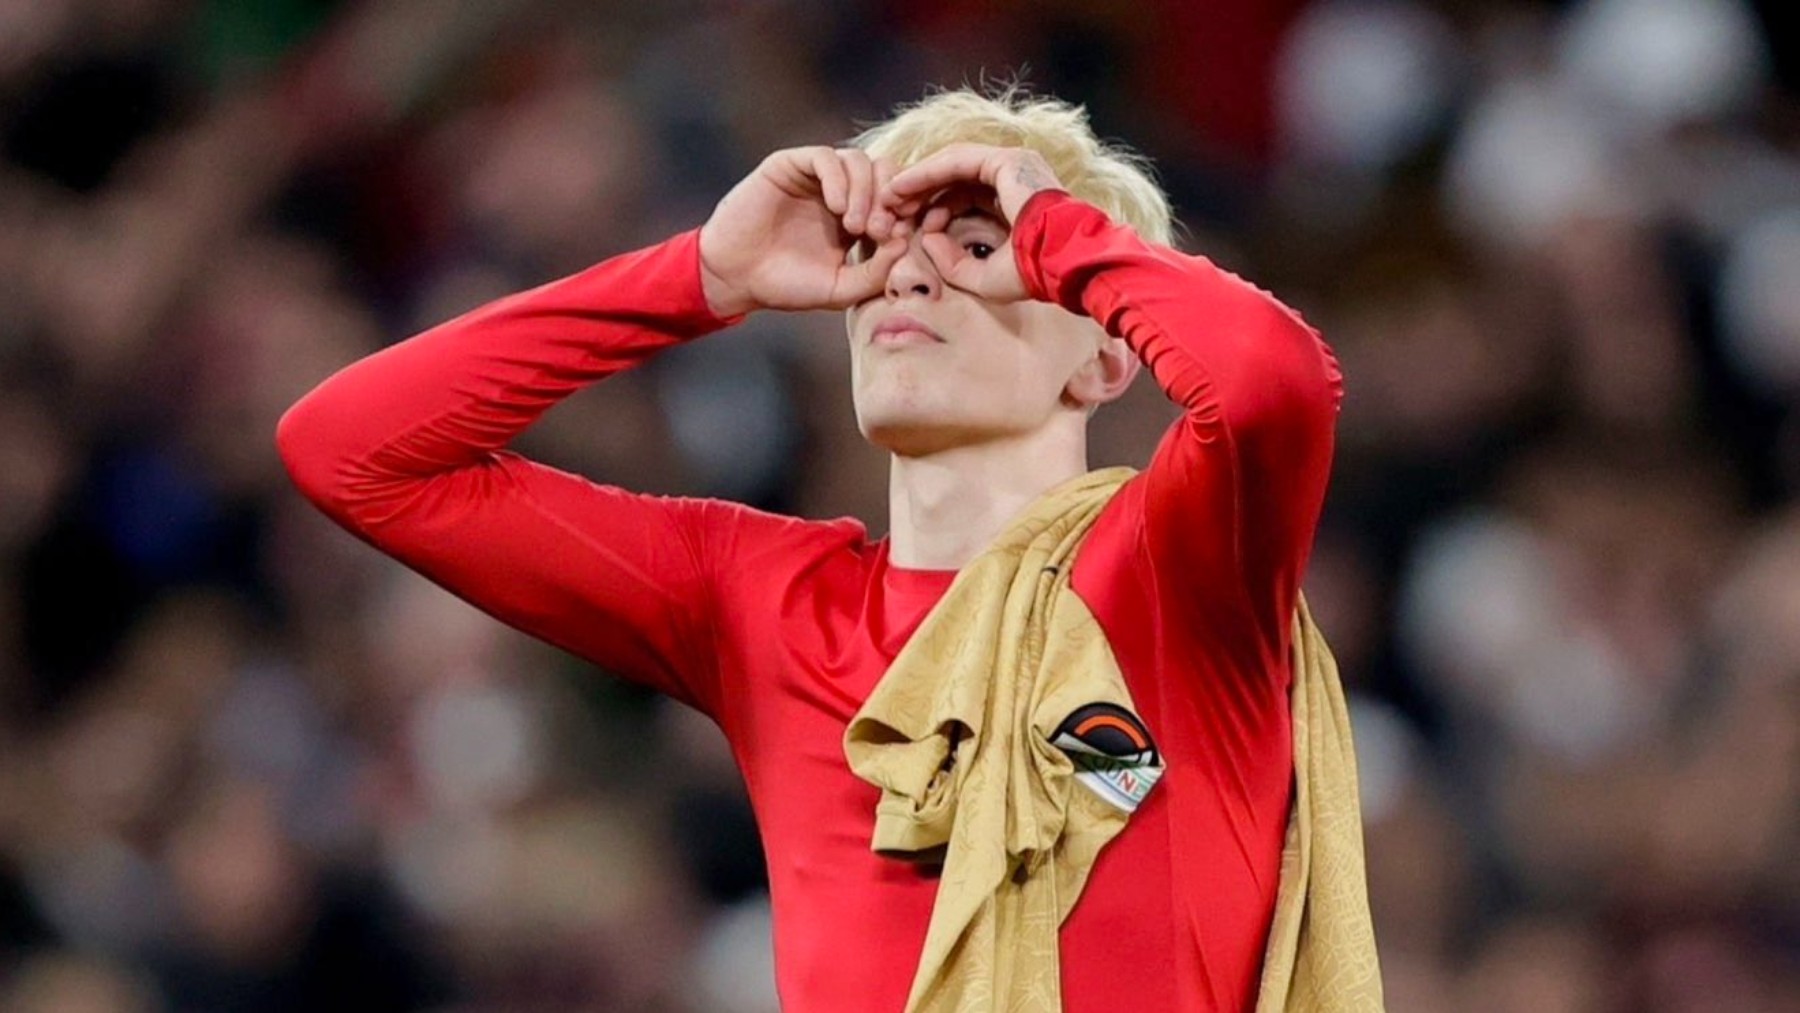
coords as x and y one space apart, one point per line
403 448
1233 493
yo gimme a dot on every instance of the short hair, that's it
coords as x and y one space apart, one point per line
1108 175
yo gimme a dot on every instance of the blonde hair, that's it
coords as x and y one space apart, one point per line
1109 176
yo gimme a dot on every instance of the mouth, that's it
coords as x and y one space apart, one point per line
901 329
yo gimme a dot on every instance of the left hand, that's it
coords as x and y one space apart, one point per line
1014 174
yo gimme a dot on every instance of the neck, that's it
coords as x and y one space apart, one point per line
944 508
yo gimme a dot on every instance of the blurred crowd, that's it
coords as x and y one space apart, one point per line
251 765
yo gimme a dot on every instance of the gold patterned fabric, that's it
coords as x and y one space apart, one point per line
959 735
1321 951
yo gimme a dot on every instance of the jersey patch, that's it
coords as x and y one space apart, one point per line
1113 753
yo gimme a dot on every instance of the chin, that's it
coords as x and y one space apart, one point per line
913 442
907 430
919 433
907 437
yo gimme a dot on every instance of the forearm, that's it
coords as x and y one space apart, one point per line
1227 352
447 398
1236 485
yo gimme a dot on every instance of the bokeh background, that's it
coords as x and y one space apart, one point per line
247 764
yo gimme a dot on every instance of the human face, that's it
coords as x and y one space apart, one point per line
933 367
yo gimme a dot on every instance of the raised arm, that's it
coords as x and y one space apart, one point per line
404 449
1233 494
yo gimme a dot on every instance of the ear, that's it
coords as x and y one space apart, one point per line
1104 377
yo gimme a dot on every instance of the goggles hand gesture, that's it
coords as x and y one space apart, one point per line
1014 174
781 238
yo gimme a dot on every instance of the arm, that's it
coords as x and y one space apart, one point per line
1235 487
1232 496
403 448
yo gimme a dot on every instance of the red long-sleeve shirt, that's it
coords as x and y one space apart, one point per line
778 628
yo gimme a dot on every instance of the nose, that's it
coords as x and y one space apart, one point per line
914 273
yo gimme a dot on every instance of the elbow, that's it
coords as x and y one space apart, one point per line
330 452
1319 379
1301 425
1296 386
1298 352
1313 386
303 442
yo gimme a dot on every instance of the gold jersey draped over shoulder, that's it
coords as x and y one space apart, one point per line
970 735
959 735
1321 951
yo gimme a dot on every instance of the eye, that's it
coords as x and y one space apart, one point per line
979 250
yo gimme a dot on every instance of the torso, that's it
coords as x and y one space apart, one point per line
1175 912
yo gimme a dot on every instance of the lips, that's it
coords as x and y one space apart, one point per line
902 329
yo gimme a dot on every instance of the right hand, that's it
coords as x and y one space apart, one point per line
781 238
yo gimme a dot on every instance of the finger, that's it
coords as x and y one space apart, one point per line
936 220
881 217
792 171
1001 279
903 209
953 264
861 174
834 184
995 279
865 280
954 164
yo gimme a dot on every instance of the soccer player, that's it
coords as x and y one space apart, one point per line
1003 275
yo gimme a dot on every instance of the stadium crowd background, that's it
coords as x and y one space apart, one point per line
251 765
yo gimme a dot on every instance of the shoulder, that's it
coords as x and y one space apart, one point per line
1112 546
740 536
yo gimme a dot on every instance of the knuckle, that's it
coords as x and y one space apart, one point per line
856 160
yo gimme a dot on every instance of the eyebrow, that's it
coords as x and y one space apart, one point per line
977 212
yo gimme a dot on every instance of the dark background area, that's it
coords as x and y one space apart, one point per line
249 764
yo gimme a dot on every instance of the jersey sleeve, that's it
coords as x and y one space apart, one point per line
1233 493
404 448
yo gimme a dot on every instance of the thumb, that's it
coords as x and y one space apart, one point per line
995 278
856 282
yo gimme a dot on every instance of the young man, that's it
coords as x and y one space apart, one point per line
1003 274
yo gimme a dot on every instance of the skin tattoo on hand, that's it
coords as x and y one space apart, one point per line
1030 178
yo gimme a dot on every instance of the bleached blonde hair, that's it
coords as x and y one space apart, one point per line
1109 176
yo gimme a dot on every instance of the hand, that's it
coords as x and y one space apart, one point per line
782 237
1014 174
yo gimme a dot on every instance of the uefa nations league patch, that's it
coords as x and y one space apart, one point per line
1113 753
